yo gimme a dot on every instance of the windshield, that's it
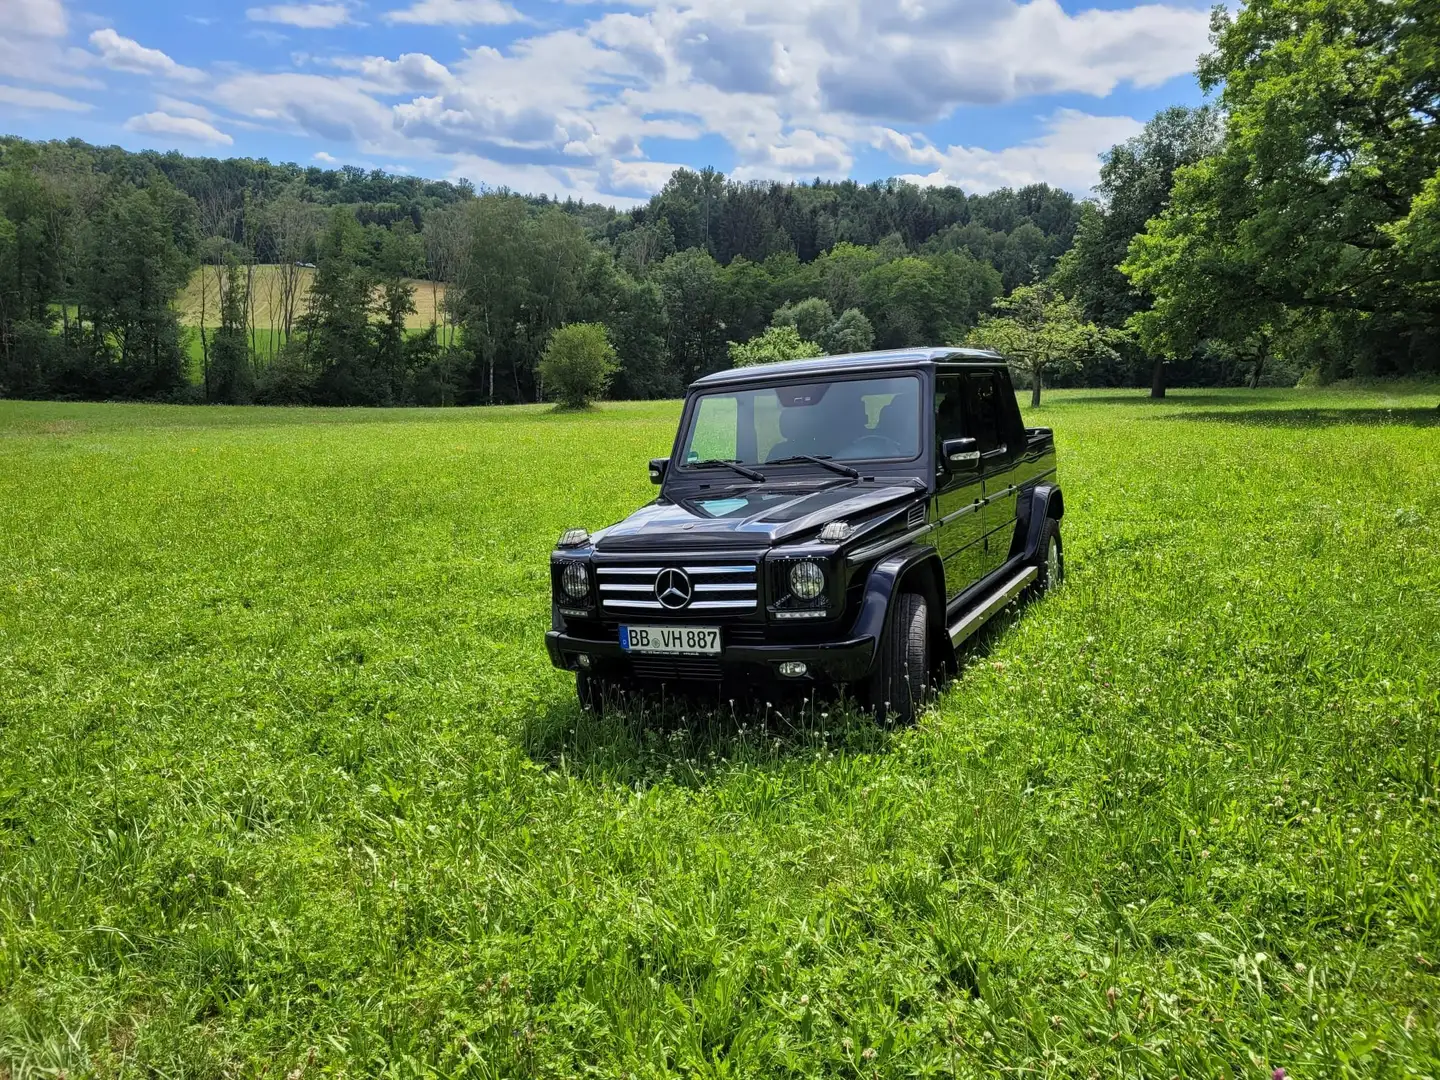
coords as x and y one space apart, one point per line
844 420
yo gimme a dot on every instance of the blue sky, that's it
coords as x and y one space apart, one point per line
602 100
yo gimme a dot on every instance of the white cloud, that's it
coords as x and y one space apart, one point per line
177 107
796 88
409 73
35 18
24 98
304 16
1066 156
181 127
126 54
335 109
328 159
455 13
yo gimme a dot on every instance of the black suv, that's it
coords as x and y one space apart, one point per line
842 521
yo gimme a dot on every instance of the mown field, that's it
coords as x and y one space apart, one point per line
267 295
287 787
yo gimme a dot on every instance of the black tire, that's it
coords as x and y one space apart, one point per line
902 680
591 692
1051 556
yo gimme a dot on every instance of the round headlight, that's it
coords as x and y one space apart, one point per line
575 581
807 580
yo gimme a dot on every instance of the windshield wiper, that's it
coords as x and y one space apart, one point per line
749 474
834 466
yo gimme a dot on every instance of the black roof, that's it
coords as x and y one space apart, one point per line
882 360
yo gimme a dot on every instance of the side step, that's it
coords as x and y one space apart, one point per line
978 616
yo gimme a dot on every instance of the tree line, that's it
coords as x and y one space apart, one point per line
1290 228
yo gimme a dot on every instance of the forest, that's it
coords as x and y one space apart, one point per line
1287 230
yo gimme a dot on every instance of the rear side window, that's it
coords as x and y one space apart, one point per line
982 409
949 408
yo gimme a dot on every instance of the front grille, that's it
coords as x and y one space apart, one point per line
713 588
674 668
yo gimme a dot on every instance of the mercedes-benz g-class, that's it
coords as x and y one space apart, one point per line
842 521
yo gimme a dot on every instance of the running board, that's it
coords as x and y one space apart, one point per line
978 616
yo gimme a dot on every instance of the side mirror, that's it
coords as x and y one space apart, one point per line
961 455
659 467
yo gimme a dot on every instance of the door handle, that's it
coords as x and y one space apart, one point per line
999 451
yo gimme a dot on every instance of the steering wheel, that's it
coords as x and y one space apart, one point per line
888 447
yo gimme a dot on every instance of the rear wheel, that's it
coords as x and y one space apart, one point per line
902 681
1052 555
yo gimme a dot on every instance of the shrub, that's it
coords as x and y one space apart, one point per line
578 364
776 343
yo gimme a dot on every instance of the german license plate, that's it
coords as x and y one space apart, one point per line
695 640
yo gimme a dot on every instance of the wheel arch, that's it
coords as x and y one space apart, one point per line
915 568
1042 503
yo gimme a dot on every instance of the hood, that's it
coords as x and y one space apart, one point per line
749 516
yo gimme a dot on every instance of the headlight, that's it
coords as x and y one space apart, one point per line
575 581
807 580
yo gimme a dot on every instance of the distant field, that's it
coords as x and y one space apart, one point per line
288 788
266 290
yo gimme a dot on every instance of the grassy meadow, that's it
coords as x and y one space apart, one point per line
288 788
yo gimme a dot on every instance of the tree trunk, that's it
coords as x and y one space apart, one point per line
1035 391
1157 380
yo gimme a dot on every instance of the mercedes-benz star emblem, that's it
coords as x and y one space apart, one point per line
672 588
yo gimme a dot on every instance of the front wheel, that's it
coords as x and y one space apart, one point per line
1052 554
902 679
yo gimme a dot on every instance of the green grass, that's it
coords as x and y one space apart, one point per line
287 786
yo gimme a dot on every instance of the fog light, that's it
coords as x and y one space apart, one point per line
793 669
583 659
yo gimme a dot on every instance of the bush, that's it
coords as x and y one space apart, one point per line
578 364
775 344
286 380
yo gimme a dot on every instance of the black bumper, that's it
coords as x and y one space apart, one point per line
843 661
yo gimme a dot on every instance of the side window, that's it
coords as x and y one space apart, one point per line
949 408
982 407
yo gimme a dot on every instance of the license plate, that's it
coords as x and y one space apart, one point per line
695 640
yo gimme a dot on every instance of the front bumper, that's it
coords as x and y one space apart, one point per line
842 661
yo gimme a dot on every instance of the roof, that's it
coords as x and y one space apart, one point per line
883 360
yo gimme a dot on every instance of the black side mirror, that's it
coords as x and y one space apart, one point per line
660 466
961 455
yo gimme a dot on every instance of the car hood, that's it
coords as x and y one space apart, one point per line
750 516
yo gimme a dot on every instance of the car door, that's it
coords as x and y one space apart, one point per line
989 425
959 498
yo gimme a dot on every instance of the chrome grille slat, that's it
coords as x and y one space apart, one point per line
729 587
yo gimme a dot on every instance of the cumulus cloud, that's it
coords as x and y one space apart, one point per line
24 98
126 54
327 159
1023 50
35 18
303 16
188 128
455 13
177 107
796 89
334 109
1067 155
408 73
